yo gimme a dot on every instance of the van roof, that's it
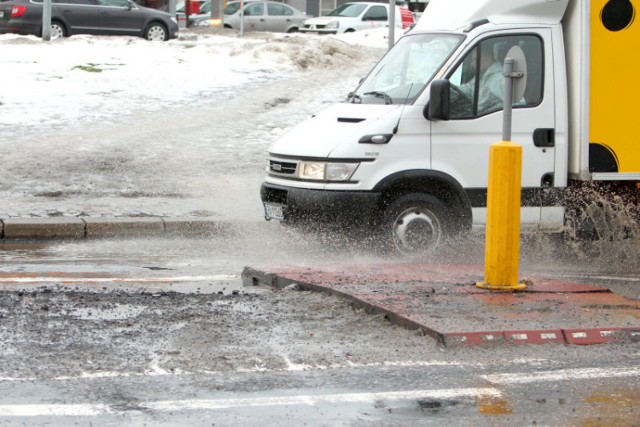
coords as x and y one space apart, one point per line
455 14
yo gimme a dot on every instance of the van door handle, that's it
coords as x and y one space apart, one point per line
544 137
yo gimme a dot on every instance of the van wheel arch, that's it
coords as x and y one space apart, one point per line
445 195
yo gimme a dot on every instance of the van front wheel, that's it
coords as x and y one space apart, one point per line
415 224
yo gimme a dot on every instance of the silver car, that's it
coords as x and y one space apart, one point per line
264 16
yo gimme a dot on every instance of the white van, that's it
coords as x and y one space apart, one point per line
406 155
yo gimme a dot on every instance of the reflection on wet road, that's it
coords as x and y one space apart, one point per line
162 332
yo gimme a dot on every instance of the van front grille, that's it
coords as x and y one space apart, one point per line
284 168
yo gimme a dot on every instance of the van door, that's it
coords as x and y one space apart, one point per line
460 146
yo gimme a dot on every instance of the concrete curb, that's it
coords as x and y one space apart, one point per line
380 294
67 228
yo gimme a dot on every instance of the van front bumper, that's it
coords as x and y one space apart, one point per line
353 207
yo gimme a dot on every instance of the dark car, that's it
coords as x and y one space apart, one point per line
101 17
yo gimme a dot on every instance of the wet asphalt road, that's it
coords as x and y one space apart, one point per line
161 332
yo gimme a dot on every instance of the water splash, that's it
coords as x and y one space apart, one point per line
603 225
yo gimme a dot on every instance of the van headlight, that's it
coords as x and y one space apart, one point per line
323 171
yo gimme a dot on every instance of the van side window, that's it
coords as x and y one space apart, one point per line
477 82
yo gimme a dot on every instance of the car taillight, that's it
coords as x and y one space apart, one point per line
17 11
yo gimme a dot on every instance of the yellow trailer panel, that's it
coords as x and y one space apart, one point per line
614 132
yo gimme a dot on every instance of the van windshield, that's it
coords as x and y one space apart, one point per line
402 74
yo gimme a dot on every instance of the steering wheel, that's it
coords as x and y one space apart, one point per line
460 96
459 102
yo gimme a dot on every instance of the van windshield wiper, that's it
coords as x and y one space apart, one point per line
379 94
351 96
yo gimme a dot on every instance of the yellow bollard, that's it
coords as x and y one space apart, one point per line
502 250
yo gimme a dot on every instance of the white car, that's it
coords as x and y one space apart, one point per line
355 17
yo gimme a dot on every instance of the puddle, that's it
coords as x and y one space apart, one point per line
616 406
22 246
493 406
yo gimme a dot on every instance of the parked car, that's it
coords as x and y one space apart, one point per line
198 10
102 17
357 16
264 16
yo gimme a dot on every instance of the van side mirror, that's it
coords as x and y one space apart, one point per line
438 107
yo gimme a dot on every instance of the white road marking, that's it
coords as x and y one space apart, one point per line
562 375
180 405
212 404
34 410
291 367
58 410
496 378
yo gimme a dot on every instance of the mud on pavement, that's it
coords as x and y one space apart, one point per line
47 333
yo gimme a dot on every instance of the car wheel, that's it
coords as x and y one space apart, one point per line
156 32
415 224
293 30
57 30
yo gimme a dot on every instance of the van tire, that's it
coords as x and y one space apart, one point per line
415 224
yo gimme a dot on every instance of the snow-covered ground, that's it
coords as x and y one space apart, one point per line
83 78
92 125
